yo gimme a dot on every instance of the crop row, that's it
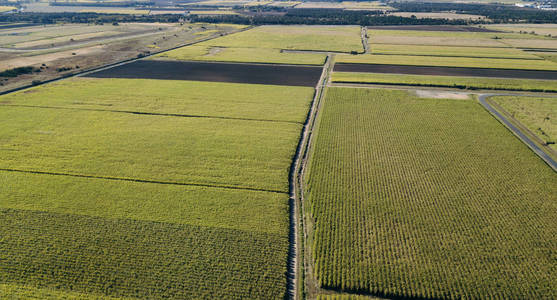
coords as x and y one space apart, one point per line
127 258
428 198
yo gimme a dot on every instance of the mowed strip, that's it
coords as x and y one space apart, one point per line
444 71
430 199
219 72
184 240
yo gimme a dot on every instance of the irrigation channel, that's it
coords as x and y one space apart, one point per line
300 264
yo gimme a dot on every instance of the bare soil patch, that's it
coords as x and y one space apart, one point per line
446 71
442 95
218 72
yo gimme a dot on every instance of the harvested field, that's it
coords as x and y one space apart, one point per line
449 28
417 198
219 72
446 71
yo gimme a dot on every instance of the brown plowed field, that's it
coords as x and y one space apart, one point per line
219 72
446 71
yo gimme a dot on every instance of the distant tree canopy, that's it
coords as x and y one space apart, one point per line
496 12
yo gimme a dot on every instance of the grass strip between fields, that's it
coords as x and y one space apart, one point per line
447 81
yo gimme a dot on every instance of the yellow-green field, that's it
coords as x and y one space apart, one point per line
6 8
447 81
428 199
534 29
451 51
258 55
270 44
538 114
147 189
446 38
297 37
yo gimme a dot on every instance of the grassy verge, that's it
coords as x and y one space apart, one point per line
447 81
538 114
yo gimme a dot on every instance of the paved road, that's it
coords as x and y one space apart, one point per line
548 159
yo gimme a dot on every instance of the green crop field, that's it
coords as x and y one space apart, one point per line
257 55
300 37
265 44
451 51
504 63
447 81
428 198
188 199
449 38
538 114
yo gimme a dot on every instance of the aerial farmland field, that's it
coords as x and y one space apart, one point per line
536 113
275 44
173 189
447 81
463 62
421 198
276 161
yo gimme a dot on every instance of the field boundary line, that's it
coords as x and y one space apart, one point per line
459 87
123 62
457 56
149 113
143 180
523 136
296 259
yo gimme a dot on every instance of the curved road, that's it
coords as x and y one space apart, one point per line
548 159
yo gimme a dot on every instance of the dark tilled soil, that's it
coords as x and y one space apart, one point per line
446 71
219 72
434 28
